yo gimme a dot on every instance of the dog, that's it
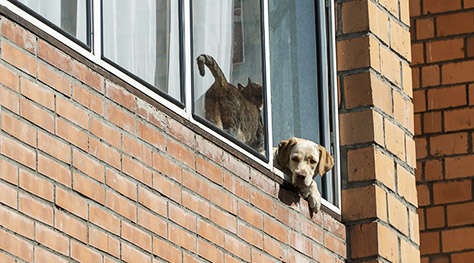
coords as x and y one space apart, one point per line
302 160
237 111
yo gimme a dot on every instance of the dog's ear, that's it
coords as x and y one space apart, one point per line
241 88
326 161
249 83
284 149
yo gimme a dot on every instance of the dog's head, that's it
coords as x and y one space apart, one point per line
305 159
253 92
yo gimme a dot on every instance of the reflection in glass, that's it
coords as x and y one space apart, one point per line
69 15
227 33
143 38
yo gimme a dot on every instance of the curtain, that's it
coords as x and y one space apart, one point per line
212 35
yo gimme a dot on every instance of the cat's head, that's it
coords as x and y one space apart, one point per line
253 92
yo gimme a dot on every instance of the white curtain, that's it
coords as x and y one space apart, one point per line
212 35
135 31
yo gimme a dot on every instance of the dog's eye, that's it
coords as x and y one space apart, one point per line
295 159
312 161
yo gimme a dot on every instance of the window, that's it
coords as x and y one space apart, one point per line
276 57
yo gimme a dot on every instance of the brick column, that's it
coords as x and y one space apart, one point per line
378 151
443 74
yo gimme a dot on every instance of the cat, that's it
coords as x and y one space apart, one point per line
237 111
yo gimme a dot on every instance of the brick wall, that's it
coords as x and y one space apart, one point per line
443 84
376 124
91 170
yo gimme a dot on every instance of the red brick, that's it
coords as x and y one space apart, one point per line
224 200
105 132
88 99
37 93
120 118
54 170
82 253
54 78
334 226
54 147
419 100
457 72
236 187
136 236
70 226
450 192
9 78
17 223
136 149
9 99
210 232
152 223
209 149
120 96
151 114
52 239
437 6
300 243
122 206
435 217
19 35
432 122
322 255
181 217
23 61
152 201
250 215
414 226
275 248
462 257
417 53
460 119
87 76
223 219
364 202
353 53
275 229
421 148
258 256
36 185
53 56
130 254
309 229
15 246
180 132
433 170
457 239
184 155
196 184
263 182
88 165
43 256
400 38
182 238
121 184
104 152
196 204
236 166
449 144
136 170
263 202
460 214
423 195
104 219
368 164
104 242
453 24
18 152
430 76
356 133
167 187
459 167
421 221
19 129
189 259
71 203
151 135
209 252
72 134
444 50
250 235
424 28
471 87
237 247
366 89
8 172
89 188
69 111
447 97
335 245
166 167
37 115
350 22
166 251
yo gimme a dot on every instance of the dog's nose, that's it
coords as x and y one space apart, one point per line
300 176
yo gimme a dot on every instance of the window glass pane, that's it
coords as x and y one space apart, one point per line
229 33
69 15
142 36
293 67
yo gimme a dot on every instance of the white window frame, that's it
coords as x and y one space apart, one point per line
95 54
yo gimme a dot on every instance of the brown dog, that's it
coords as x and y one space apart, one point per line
302 160
234 110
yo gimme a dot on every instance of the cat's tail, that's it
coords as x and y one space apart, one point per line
212 65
